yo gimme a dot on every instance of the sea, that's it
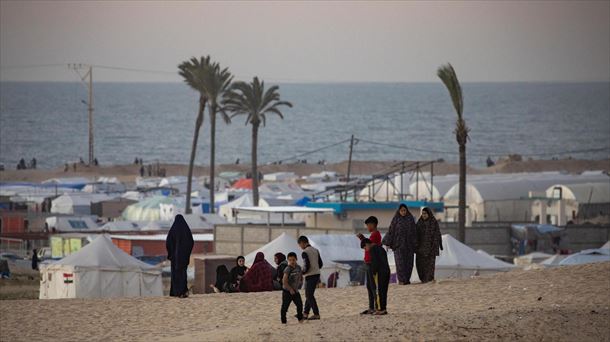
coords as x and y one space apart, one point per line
389 121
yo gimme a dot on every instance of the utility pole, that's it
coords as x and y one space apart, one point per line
87 80
349 161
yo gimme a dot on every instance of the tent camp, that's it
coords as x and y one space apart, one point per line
99 270
286 244
226 210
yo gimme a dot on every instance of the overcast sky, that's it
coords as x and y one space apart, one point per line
311 41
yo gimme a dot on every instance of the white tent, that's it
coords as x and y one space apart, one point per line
226 210
99 270
531 258
553 261
70 223
606 245
286 244
76 203
457 260
587 256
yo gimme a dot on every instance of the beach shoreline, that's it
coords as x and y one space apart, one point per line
534 305
128 172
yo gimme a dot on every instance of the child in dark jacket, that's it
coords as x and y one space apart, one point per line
381 273
291 281
375 237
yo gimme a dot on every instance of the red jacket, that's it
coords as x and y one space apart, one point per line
376 239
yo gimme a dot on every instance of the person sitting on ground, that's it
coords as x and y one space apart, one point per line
259 277
292 277
381 274
237 272
371 224
280 261
223 278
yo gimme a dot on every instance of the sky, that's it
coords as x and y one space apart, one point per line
310 41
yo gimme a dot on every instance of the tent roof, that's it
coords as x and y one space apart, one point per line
286 209
101 253
161 237
585 192
587 256
243 183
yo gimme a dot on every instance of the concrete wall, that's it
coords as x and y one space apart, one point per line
587 236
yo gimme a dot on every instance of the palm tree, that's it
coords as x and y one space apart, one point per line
447 74
252 100
216 82
194 73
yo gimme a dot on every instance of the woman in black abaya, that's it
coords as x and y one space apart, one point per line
179 244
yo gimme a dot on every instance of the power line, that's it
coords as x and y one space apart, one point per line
312 151
589 150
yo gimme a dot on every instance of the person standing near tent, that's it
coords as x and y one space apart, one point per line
281 262
429 241
292 277
402 239
179 245
381 273
35 259
312 264
375 237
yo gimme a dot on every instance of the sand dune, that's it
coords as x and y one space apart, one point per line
564 304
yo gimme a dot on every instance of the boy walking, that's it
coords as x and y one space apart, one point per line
381 273
291 280
312 263
375 237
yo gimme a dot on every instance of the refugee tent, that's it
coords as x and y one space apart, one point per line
243 183
70 223
226 210
457 260
606 245
99 270
76 203
587 256
149 209
531 258
553 261
286 243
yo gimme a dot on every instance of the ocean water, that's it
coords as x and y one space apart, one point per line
414 121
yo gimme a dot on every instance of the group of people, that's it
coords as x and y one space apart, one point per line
22 165
405 237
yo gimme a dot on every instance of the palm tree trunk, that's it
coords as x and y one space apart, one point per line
198 123
212 155
462 196
254 164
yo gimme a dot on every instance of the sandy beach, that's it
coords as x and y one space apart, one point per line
562 304
128 173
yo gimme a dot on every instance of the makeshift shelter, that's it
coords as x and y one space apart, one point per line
76 203
226 210
588 256
70 223
531 258
457 260
99 270
243 183
553 261
286 243
149 209
527 238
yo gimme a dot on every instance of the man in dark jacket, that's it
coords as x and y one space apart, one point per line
381 273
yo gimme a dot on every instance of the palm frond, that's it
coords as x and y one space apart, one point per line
447 74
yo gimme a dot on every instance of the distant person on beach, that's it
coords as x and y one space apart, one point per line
237 272
490 162
74 167
179 244
381 273
280 262
142 171
292 277
136 161
259 277
375 237
223 278
66 167
312 264
81 160
35 259
95 162
402 239
429 241
33 163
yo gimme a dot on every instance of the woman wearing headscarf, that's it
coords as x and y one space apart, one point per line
429 241
402 239
280 260
237 272
223 278
179 244
259 277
